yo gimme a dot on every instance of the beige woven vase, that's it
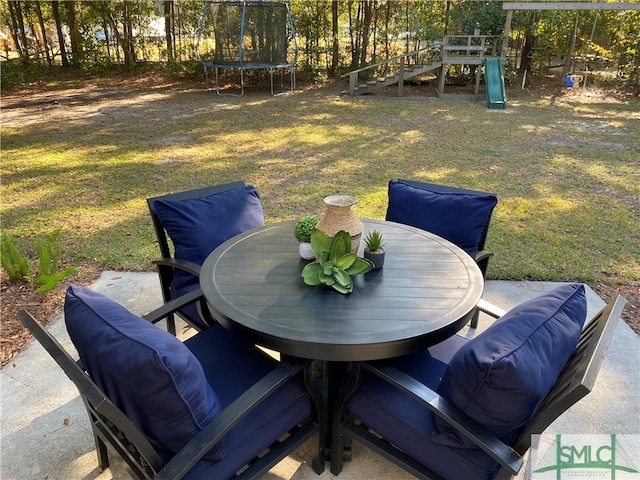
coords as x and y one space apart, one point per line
338 216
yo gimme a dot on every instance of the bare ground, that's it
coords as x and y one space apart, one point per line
46 306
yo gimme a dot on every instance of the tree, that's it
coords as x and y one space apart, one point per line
335 31
77 53
168 28
45 43
61 43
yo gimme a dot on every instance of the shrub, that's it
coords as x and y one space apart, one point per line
16 266
49 254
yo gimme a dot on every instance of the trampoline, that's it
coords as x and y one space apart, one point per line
247 35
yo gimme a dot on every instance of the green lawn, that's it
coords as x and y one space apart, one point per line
566 170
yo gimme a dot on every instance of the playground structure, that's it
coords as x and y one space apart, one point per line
247 35
477 50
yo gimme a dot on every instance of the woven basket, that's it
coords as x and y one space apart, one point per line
338 216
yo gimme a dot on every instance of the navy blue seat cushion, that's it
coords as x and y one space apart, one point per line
197 226
500 377
145 371
461 218
409 425
232 366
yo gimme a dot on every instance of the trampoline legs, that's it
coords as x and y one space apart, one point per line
292 81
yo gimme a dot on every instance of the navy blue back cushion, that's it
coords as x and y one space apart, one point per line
145 371
500 377
197 226
461 218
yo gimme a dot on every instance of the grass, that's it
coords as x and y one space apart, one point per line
566 169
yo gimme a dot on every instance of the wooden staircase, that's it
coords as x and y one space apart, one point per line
398 78
410 64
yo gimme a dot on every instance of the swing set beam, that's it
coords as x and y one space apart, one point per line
569 6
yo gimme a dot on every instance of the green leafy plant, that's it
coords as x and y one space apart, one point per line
335 262
16 266
373 241
49 256
304 227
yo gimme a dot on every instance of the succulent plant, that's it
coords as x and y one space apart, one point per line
304 227
373 241
335 262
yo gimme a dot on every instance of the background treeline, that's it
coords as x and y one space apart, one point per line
334 35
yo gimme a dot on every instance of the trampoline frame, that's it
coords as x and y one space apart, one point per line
241 65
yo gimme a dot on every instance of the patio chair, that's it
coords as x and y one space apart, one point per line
202 409
467 409
458 215
197 221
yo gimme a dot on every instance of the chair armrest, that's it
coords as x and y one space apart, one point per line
490 309
192 452
483 255
174 305
482 260
190 267
461 422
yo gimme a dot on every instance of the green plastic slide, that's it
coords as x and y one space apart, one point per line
494 80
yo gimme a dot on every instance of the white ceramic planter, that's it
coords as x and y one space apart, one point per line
305 251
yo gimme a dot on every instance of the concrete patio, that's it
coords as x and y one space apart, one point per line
45 432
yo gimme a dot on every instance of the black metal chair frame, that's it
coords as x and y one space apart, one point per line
111 427
168 264
483 256
574 382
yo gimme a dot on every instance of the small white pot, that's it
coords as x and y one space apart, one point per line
306 252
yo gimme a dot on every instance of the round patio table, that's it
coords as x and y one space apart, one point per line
426 292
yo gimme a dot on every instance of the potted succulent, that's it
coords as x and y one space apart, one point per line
302 232
373 251
335 263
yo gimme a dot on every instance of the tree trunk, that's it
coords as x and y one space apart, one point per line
334 32
76 38
105 28
527 52
20 36
446 17
352 39
127 37
14 26
168 31
45 43
367 16
56 16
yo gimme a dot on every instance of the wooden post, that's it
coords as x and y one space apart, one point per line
353 79
505 39
401 77
443 69
476 33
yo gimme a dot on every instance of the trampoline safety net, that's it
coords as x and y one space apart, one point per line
247 35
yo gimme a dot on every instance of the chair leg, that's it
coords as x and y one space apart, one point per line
474 319
101 451
171 324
